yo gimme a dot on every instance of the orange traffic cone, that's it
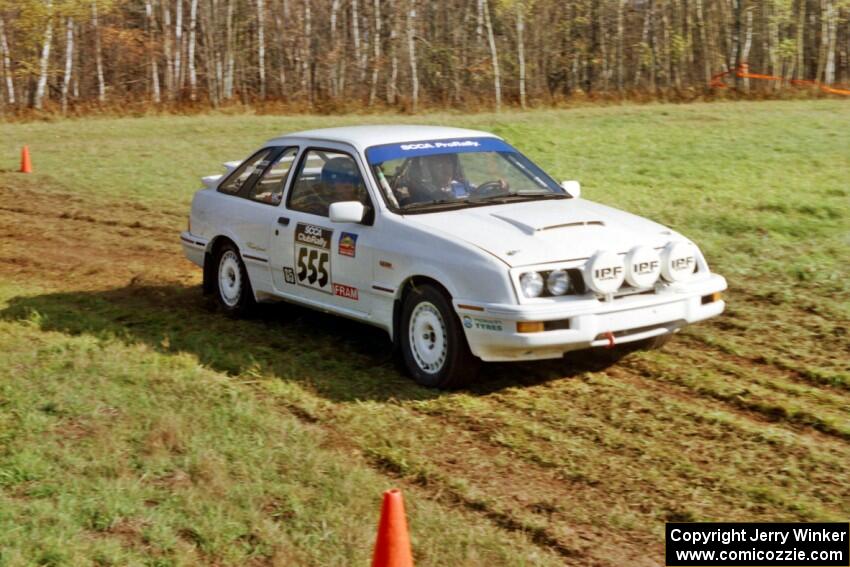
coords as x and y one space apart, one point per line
26 164
392 548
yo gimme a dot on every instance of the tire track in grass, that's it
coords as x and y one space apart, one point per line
539 441
446 483
827 392
688 368
793 324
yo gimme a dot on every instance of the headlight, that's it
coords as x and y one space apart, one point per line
531 284
558 282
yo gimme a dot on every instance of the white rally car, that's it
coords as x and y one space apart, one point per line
450 240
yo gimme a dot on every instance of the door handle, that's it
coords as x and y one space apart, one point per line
283 220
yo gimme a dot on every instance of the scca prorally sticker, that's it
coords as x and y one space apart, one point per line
289 275
346 291
313 256
348 244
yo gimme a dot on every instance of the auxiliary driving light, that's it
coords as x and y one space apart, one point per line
678 261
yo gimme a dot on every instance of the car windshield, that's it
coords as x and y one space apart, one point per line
424 176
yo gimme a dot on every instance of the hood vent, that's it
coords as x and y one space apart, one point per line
531 229
572 224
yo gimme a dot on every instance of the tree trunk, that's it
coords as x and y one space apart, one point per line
7 65
831 40
411 49
376 64
167 48
98 54
229 53
336 51
153 66
392 86
520 48
355 34
44 62
494 56
800 71
261 46
621 8
306 59
745 50
193 21
706 47
178 42
69 62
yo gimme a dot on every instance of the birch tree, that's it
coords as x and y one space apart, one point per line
69 61
44 61
7 64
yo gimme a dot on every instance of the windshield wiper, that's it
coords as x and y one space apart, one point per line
518 197
439 204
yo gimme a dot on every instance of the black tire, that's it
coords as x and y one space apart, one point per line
448 363
237 298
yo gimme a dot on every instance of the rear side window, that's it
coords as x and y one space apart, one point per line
326 177
269 188
254 164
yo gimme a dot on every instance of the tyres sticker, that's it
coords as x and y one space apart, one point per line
482 324
313 256
348 244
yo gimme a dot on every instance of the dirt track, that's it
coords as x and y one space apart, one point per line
539 450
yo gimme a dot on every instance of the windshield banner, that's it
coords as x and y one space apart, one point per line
379 154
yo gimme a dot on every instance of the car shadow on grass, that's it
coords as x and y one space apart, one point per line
339 359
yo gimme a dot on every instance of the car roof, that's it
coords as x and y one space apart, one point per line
362 137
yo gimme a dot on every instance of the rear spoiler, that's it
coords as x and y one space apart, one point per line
211 181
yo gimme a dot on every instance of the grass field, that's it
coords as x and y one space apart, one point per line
137 426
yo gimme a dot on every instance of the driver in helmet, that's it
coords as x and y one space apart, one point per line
432 178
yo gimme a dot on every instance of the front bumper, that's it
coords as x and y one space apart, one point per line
491 329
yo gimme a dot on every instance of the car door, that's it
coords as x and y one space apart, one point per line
314 260
256 190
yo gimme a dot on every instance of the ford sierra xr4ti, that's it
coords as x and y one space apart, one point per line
450 240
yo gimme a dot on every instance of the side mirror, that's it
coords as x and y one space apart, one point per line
347 211
573 188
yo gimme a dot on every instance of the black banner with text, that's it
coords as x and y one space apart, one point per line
757 544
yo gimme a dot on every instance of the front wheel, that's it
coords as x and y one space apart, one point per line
233 288
433 345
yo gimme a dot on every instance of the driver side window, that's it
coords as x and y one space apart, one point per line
326 177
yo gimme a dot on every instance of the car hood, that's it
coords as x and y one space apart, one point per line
536 232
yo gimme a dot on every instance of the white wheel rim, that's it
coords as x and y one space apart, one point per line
229 278
428 338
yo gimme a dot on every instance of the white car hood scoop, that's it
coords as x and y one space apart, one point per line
530 226
535 232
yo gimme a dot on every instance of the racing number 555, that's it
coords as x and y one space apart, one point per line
307 268
313 256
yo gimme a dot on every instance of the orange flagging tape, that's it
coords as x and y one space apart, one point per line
743 71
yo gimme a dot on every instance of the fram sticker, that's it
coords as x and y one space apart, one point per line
346 291
348 244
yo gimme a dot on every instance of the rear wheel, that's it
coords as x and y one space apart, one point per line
233 291
433 345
